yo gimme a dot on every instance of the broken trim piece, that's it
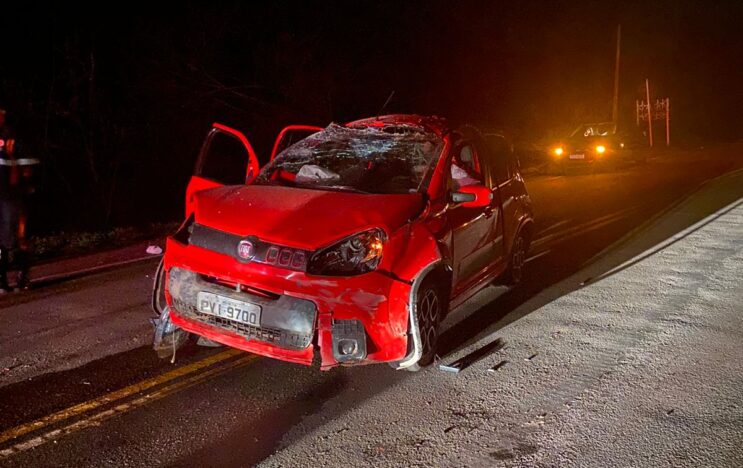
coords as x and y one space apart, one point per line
412 359
167 337
158 289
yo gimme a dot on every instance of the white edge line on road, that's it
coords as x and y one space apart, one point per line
650 221
93 269
679 235
572 231
534 257
555 226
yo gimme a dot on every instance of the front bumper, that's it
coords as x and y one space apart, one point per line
286 322
353 320
589 156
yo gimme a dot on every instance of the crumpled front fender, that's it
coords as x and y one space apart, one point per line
421 255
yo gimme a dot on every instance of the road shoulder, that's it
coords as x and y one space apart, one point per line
633 361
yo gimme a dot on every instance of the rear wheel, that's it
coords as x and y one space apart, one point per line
429 311
518 260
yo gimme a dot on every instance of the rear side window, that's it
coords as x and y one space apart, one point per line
499 160
465 168
224 160
468 158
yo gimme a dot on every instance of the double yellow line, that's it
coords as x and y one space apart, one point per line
168 383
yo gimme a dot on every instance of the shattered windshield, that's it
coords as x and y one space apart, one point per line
389 159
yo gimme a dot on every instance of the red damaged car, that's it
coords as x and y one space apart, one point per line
357 239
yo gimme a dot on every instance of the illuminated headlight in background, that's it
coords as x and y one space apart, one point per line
558 151
600 149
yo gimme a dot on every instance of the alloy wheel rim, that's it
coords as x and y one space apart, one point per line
517 263
428 315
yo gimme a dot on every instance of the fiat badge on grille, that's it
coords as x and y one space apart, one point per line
245 250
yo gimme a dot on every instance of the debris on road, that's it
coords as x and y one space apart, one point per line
498 366
154 250
466 361
167 337
208 343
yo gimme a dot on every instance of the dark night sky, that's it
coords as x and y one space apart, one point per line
123 94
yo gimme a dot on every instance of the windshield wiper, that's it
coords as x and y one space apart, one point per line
332 188
277 182
341 188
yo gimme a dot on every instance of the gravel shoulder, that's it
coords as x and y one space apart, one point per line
633 361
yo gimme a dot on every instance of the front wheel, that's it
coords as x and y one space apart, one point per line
429 311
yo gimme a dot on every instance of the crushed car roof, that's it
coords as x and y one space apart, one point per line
437 125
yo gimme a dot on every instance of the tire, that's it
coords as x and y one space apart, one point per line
429 311
515 272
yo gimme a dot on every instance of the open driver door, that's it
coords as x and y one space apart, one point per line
226 158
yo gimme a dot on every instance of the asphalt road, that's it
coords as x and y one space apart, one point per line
80 387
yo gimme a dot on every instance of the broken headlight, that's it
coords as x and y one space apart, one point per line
353 255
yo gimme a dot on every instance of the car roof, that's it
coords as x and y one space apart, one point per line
435 124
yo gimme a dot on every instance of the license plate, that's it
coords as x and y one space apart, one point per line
577 156
231 309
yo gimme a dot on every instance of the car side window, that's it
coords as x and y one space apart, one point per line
225 161
500 160
465 167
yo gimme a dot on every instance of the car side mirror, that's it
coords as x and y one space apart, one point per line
473 196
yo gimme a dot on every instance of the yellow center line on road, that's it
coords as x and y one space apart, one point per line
97 418
116 395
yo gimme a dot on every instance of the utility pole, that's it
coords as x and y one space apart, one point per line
615 102
668 122
650 116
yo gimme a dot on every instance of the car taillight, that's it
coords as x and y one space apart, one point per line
353 255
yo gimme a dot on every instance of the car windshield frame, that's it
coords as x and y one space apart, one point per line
389 159
581 131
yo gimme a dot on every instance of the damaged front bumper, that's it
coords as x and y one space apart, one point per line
354 320
286 322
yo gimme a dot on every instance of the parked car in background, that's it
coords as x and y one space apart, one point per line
357 240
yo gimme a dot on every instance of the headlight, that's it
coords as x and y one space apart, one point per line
600 149
558 151
353 255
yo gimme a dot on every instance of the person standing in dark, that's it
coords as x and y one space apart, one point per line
16 185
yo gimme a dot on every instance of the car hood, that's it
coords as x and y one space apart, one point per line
588 142
298 217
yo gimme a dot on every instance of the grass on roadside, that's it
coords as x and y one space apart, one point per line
64 244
